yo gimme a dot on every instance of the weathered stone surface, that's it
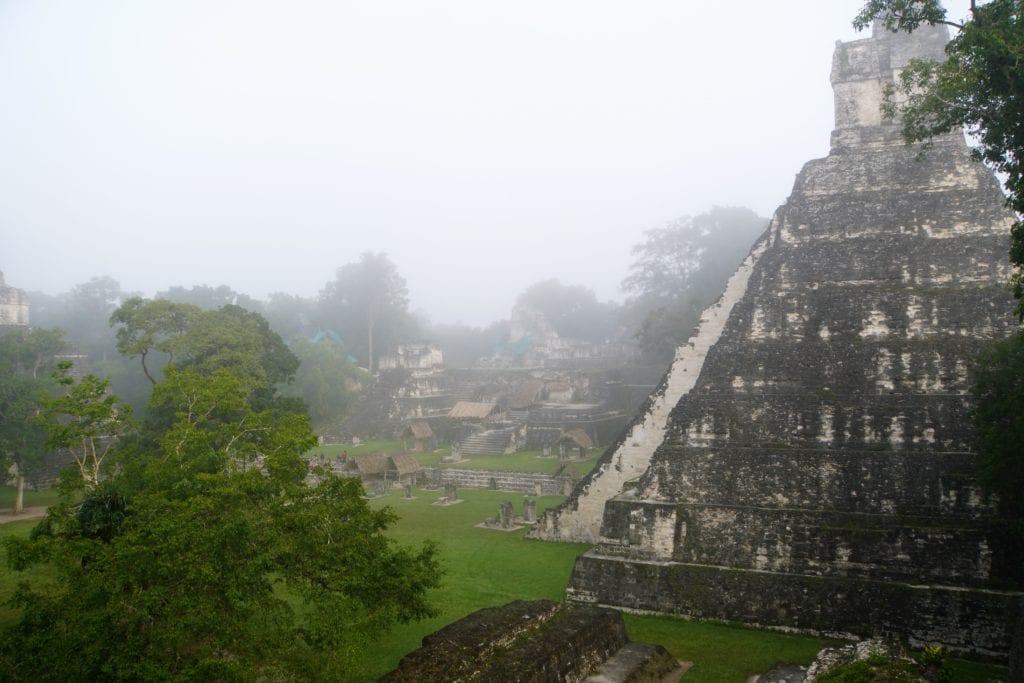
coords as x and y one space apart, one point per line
819 474
540 641
14 306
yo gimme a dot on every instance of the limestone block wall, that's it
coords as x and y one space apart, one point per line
521 482
579 519
962 620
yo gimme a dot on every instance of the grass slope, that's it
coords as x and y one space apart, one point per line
523 461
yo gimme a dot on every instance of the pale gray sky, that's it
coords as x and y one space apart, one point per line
482 145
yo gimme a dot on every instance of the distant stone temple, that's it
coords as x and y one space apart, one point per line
13 306
413 357
534 343
808 461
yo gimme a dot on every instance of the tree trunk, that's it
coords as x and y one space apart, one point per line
369 331
19 495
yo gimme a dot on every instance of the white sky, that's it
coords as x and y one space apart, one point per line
483 145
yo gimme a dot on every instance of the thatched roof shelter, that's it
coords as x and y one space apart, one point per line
371 464
418 430
404 464
576 437
470 410
526 394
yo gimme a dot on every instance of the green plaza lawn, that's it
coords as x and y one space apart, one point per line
522 461
486 568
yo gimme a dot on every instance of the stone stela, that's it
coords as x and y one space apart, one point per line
450 497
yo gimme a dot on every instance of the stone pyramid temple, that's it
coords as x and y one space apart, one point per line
807 463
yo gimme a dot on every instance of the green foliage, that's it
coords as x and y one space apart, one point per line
85 419
231 339
980 87
206 553
998 388
209 298
367 303
83 312
326 380
572 310
26 361
145 326
682 268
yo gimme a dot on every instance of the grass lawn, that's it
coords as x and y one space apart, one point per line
45 498
523 461
9 580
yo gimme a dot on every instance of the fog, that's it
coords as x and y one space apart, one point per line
482 145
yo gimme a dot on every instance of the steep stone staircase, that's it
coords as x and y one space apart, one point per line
490 442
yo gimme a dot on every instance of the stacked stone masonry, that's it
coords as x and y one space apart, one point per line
819 475
522 482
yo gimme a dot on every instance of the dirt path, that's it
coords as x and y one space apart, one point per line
7 514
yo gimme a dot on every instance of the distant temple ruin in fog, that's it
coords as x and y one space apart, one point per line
13 306
807 462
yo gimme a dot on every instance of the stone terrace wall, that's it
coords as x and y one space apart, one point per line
523 482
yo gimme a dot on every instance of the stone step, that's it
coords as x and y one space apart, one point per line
640 661
491 442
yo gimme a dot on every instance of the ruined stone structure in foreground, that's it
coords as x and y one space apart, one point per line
817 473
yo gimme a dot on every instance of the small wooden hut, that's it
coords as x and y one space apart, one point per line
402 469
419 433
573 444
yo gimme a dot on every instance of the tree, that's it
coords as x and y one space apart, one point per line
146 326
207 553
572 310
682 268
26 360
290 315
368 300
464 345
998 389
979 87
327 380
87 420
86 310
209 298
229 338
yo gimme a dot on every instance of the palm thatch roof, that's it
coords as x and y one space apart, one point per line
417 430
405 464
371 463
469 410
576 436
526 394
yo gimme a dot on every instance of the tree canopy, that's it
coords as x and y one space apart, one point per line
198 546
681 268
368 304
979 87
572 310
998 389
26 362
